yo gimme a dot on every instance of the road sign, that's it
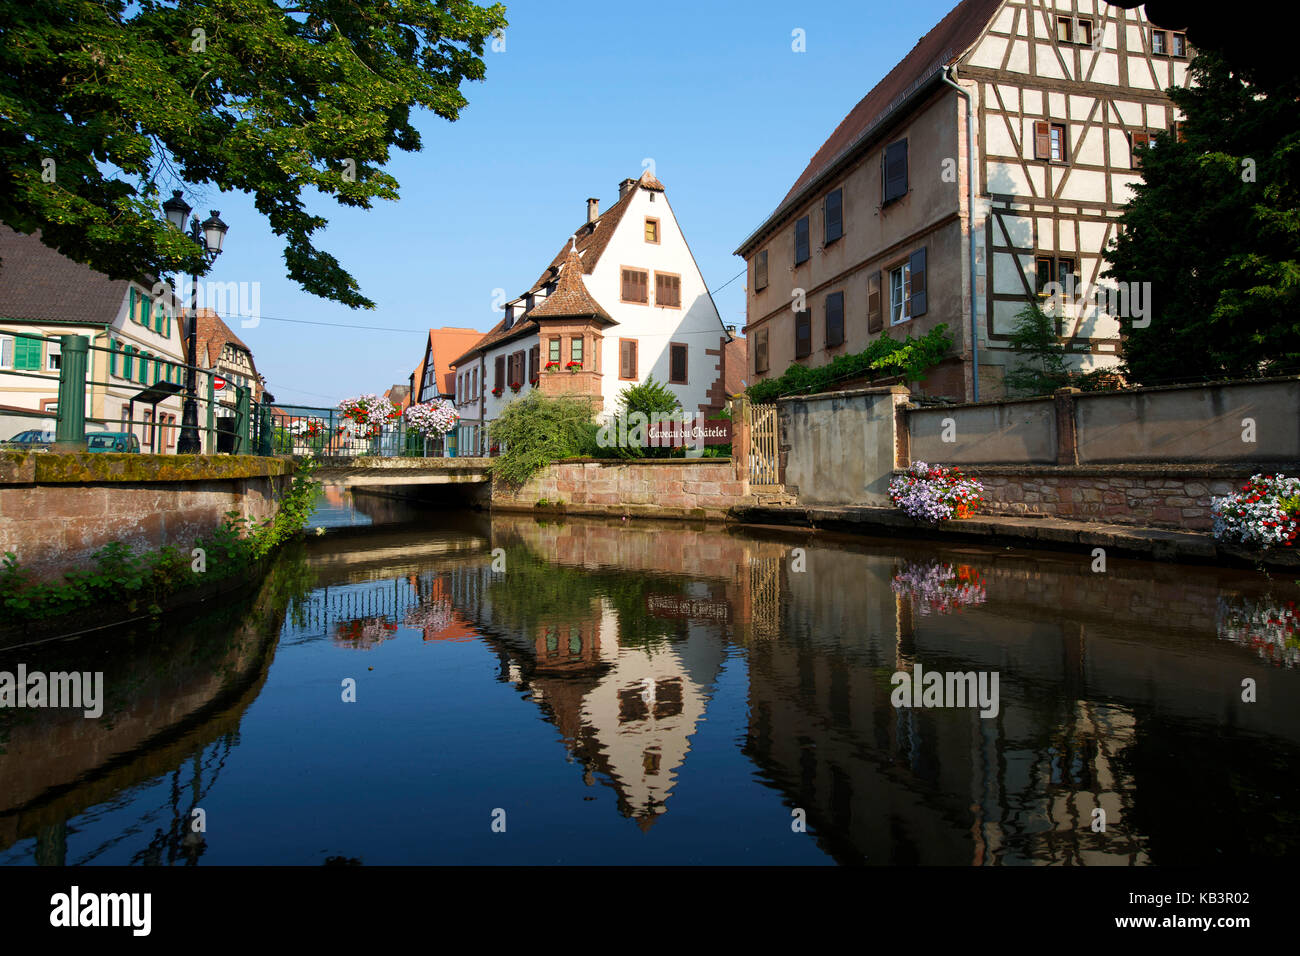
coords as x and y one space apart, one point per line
218 382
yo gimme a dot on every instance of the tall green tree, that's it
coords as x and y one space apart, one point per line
105 103
1215 228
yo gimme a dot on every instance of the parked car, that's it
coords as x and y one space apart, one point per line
33 438
112 441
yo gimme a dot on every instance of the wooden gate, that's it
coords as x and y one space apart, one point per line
763 462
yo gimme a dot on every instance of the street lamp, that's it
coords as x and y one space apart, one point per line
209 237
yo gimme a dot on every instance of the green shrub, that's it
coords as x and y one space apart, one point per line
536 430
886 357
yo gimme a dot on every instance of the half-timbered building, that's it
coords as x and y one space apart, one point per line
993 160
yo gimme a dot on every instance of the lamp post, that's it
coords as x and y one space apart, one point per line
208 236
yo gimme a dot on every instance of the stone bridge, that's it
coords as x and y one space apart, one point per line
373 470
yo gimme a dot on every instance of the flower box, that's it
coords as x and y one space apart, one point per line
1265 513
497 391
574 366
552 366
515 386
933 493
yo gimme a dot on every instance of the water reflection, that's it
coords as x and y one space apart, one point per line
696 687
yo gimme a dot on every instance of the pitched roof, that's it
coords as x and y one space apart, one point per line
939 48
40 284
589 242
213 335
441 346
570 298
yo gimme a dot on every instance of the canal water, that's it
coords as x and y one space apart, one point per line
422 686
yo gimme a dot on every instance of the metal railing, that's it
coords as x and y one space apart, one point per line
118 398
115 398
326 432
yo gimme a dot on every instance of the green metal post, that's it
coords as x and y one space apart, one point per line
242 421
265 430
211 418
70 421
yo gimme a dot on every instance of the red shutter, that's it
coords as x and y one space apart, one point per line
500 372
1042 140
627 358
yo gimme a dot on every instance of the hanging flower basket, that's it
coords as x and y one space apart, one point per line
497 391
432 419
366 415
515 386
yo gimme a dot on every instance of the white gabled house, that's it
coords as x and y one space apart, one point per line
623 301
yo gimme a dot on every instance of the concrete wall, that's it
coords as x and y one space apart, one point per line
984 433
57 510
702 487
839 448
1198 423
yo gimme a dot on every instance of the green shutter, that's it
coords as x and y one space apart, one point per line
27 354
112 358
128 362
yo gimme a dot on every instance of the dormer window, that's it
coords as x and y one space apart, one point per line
528 303
510 316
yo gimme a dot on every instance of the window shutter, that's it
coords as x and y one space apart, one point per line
875 317
661 282
1042 140
533 354
760 351
500 370
917 282
835 319
677 371
801 253
834 215
760 271
27 354
113 357
627 358
802 334
895 171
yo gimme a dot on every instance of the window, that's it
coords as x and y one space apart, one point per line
636 283
144 368
510 316
1179 44
6 352
668 290
575 349
1049 141
534 358
553 350
760 271
1141 141
898 297
517 360
1052 269
834 215
760 351
802 334
893 172
834 319
1159 42
651 230
148 426
1063 31
1083 32
801 252
627 359
677 355
53 357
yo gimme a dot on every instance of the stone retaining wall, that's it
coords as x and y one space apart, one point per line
1160 497
701 487
57 510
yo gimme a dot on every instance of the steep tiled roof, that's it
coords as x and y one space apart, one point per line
213 336
443 345
589 242
39 284
570 298
939 48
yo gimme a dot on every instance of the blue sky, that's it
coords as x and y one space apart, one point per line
583 93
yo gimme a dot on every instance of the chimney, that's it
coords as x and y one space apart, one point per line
593 210
624 186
